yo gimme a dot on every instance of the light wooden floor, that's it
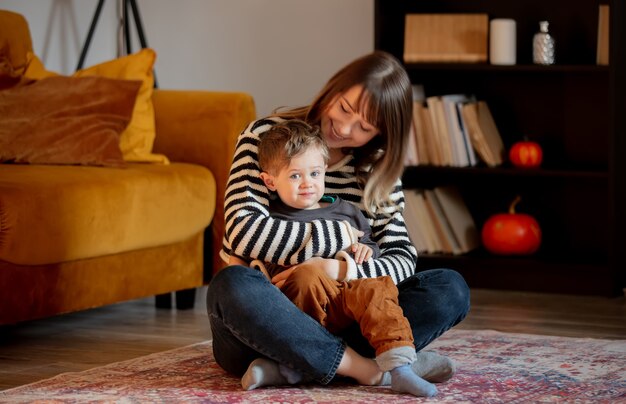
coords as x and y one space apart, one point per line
40 349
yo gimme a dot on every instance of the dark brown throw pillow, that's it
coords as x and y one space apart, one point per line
8 77
66 120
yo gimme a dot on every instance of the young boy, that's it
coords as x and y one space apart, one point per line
293 159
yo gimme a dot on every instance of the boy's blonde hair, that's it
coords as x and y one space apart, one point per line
286 140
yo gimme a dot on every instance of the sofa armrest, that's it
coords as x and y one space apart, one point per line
201 127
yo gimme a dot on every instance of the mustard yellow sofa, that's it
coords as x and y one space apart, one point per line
74 237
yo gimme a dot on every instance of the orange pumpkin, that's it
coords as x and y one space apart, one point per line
527 154
511 233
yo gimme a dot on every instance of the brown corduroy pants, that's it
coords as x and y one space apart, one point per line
371 302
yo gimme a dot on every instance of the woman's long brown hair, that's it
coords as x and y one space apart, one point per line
387 103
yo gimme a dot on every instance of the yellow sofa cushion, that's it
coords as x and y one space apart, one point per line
52 214
137 140
15 40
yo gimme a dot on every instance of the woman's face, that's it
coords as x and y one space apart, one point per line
344 127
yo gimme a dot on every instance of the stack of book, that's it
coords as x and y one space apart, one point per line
438 221
453 130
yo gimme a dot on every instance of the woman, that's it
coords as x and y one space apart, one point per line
365 114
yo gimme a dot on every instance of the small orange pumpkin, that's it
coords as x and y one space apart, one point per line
511 233
526 154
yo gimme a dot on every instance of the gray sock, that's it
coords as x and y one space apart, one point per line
266 372
433 367
386 380
429 366
404 380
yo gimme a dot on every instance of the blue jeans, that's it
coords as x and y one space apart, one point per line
251 318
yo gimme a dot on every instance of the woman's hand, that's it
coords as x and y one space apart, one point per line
357 233
232 260
334 269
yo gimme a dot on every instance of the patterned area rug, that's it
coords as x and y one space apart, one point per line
493 367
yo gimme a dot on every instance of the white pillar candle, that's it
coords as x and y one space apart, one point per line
502 41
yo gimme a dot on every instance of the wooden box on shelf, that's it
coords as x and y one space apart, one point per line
445 38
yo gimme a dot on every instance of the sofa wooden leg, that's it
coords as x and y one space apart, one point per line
185 299
163 301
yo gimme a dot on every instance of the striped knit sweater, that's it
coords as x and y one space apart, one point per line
250 233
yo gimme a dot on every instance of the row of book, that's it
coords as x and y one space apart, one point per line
438 221
452 130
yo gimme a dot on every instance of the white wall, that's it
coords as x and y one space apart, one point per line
280 51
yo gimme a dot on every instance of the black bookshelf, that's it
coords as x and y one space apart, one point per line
575 109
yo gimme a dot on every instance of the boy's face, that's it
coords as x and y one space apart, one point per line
301 183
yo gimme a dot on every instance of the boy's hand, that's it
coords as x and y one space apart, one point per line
279 279
361 252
